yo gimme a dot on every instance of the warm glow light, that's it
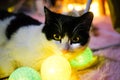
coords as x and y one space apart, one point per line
70 7
55 68
78 8
10 9
75 6
107 8
95 8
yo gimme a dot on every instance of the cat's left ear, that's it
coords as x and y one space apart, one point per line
46 10
48 14
87 19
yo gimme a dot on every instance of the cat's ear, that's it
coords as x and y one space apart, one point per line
87 19
48 14
87 16
47 11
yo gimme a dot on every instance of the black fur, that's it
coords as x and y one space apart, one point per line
21 20
64 25
4 14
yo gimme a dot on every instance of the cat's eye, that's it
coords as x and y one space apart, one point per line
57 37
75 39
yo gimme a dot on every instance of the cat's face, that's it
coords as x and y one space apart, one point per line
68 32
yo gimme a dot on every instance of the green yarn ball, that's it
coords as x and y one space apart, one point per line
25 73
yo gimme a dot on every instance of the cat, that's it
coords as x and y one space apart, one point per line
25 41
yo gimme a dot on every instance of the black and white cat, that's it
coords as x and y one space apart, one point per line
26 42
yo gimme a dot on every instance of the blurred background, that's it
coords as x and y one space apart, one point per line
98 7
105 26
105 32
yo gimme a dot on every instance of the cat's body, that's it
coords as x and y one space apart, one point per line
26 42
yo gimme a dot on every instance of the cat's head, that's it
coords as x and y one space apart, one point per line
68 32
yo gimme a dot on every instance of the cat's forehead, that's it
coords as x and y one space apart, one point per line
63 19
57 17
66 18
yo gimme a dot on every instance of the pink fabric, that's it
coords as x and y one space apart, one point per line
110 70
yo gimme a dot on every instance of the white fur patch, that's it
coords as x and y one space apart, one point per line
27 47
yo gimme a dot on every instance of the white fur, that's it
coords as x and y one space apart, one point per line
27 47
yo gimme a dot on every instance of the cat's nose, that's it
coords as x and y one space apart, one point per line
67 48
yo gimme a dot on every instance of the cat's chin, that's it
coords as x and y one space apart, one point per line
72 53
